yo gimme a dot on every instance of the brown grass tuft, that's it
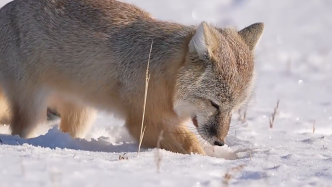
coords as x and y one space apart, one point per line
274 115
123 156
230 174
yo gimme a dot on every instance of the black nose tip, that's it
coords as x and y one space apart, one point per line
218 143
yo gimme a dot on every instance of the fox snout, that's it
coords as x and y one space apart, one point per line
212 123
216 129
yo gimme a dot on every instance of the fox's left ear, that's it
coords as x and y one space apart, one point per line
252 34
204 40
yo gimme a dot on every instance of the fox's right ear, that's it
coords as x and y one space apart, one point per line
203 41
252 34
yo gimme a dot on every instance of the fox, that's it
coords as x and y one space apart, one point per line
80 57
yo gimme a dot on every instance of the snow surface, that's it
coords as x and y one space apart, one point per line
294 65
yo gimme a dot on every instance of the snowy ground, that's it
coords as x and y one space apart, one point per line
294 65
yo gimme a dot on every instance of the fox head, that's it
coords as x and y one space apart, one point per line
216 78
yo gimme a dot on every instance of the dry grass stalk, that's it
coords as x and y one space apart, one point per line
314 127
158 156
242 116
22 167
230 174
274 115
123 156
147 78
55 175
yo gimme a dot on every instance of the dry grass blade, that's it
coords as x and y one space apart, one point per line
147 78
158 155
314 127
274 115
242 116
230 174
123 156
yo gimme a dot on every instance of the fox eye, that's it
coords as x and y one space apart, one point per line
215 105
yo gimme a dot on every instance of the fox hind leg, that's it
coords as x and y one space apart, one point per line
5 116
27 112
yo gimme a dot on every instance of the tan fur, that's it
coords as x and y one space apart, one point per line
80 56
5 114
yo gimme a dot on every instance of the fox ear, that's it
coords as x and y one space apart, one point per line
203 41
252 34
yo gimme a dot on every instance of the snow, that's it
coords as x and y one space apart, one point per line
293 66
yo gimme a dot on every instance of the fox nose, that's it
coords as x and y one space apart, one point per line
219 143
